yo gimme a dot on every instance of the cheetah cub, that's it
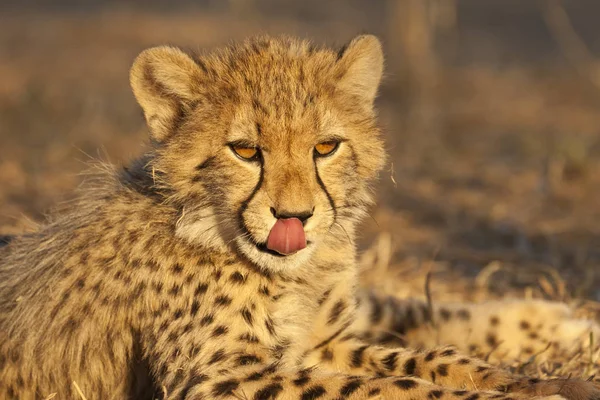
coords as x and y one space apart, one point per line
221 265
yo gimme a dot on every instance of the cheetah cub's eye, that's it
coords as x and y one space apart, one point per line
326 148
246 153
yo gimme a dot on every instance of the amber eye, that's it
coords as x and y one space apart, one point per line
245 152
326 148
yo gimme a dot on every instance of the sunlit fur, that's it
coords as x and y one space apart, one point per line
283 97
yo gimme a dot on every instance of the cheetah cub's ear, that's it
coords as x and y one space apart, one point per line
362 63
163 79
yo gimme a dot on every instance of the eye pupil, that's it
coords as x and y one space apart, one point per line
326 148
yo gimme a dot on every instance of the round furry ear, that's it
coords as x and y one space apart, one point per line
164 81
362 60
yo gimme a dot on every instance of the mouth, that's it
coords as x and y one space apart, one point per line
262 247
286 238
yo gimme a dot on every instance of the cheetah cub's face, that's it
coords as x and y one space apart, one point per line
267 147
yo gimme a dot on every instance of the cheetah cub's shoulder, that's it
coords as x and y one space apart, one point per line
221 264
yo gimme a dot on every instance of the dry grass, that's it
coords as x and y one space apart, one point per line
494 179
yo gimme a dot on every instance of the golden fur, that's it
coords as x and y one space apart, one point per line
156 282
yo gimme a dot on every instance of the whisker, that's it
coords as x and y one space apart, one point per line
344 230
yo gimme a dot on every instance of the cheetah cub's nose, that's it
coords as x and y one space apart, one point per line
286 236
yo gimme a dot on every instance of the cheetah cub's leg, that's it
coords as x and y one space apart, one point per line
271 383
409 322
442 366
514 329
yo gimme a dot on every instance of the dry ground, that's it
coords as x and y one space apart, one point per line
501 199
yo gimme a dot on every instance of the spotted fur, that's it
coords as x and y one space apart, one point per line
156 281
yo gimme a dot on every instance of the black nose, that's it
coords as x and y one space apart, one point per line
302 216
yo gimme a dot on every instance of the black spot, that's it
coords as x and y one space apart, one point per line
474 396
173 336
445 314
264 290
255 376
433 376
324 297
247 315
389 362
464 361
459 392
524 325
481 369
313 393
249 338
177 268
442 369
200 289
533 335
405 384
80 283
326 354
248 359
268 392
225 388
217 275
70 326
431 355
178 313
448 353
207 320
494 320
157 287
374 392
219 331
237 277
356 357
435 394
175 290
350 387
217 356
491 340
463 314
302 379
195 308
270 326
376 310
408 321
187 328
337 309
410 366
222 300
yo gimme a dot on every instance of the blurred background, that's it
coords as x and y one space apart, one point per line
489 107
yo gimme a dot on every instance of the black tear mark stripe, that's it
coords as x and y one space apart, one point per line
245 203
324 188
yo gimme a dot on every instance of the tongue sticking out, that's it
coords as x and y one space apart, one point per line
287 236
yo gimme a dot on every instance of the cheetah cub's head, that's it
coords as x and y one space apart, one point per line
268 146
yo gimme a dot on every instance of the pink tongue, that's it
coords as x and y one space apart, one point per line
286 236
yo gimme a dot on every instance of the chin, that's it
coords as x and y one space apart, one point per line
273 261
